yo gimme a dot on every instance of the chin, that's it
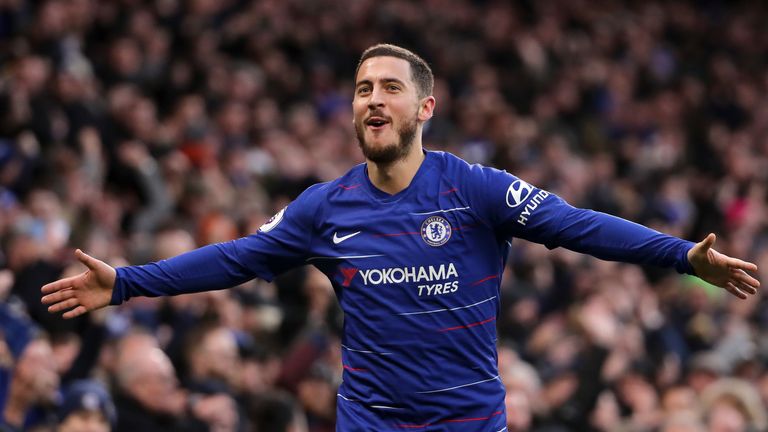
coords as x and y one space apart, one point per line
379 145
386 147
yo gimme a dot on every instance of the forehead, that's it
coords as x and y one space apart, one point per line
384 67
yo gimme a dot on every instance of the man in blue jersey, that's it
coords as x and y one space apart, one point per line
415 244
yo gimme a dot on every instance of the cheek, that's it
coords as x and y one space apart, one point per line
359 108
357 119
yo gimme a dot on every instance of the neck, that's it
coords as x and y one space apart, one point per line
396 176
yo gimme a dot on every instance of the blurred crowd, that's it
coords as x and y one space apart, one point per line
140 129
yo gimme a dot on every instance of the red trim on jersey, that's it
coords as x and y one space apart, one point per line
475 324
472 419
463 420
349 187
487 278
351 369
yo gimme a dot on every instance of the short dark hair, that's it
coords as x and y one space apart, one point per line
420 70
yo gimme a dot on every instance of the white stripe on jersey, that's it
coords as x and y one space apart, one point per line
445 310
459 386
343 257
371 406
442 211
363 351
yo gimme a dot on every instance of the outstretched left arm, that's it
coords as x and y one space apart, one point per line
515 208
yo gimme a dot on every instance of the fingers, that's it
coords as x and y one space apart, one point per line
742 277
58 296
63 305
59 285
741 284
743 265
68 304
76 312
89 261
746 288
731 288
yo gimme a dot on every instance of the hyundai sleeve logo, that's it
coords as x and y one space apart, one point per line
518 192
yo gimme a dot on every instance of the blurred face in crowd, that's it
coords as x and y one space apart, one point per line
725 416
219 354
682 425
84 421
148 376
158 380
679 399
36 372
387 109
518 407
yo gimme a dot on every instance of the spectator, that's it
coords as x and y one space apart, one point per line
733 404
30 386
150 399
86 407
277 413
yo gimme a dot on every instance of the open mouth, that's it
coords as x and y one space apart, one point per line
376 123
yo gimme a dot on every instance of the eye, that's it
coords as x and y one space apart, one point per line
393 87
363 90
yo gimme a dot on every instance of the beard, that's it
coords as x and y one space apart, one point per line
389 153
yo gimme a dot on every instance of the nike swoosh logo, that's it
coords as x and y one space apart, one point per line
337 239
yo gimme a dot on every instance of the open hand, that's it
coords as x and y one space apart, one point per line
721 270
85 292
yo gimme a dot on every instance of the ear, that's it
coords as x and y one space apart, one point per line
426 108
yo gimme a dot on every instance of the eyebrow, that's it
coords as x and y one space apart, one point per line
383 80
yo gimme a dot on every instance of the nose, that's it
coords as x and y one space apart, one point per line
376 100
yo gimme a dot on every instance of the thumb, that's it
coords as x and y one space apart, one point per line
707 242
86 259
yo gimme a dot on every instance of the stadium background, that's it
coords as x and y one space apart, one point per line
139 129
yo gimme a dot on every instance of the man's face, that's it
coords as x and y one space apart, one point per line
386 109
152 381
84 421
518 409
36 370
219 351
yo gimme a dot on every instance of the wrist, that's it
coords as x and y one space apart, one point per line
686 264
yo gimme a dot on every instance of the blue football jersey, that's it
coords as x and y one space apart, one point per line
417 275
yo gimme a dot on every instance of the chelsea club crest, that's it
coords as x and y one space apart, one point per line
435 230
272 222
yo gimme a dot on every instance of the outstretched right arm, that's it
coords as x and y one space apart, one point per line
280 244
